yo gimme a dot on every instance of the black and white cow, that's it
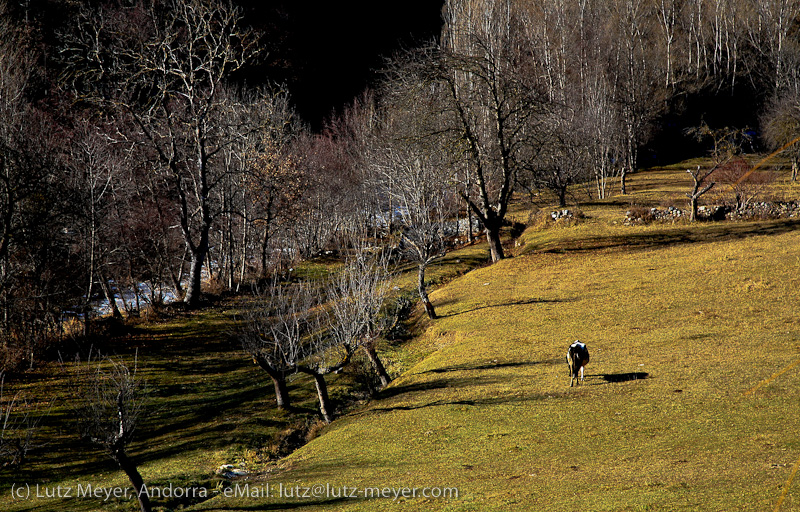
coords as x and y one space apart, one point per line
577 358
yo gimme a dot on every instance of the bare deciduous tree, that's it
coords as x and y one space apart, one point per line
770 26
324 353
166 70
634 70
17 429
726 143
701 186
273 330
356 295
414 173
781 128
108 400
742 183
261 187
37 272
95 171
290 328
491 108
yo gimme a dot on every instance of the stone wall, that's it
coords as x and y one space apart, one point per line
758 210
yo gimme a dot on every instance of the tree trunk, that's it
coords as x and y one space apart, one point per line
322 393
470 236
90 284
281 390
176 282
600 184
278 380
128 466
243 268
179 278
230 258
562 196
198 251
264 248
423 293
495 245
192 298
697 191
109 293
623 184
693 208
377 364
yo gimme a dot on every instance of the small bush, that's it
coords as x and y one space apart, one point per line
365 380
517 228
538 219
640 215
289 439
215 287
315 430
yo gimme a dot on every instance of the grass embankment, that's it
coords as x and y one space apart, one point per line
684 406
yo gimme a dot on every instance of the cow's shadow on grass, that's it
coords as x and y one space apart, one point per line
615 378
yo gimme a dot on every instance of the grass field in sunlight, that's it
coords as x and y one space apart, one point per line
690 400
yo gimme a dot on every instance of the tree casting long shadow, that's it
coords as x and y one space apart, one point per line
519 302
489 366
669 237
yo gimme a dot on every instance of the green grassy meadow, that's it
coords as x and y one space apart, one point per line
690 400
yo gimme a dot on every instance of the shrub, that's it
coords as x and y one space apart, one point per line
640 215
741 184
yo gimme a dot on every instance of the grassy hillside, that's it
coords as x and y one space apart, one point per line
690 400
686 325
678 335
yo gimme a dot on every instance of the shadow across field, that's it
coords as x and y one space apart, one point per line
488 366
671 236
451 382
518 302
428 385
495 400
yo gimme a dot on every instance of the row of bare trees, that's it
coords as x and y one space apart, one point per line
37 274
316 327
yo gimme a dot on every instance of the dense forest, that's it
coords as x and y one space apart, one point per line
145 142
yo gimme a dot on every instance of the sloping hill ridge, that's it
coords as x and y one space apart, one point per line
690 399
